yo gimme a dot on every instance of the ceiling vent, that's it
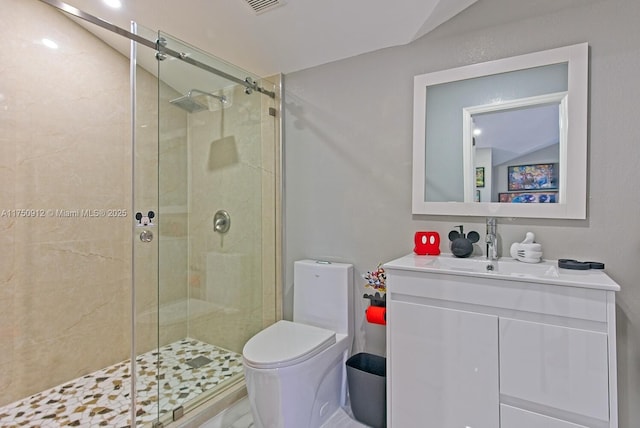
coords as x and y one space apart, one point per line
261 6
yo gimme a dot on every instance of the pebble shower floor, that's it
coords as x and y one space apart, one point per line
102 398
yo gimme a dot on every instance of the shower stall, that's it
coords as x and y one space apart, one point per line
139 210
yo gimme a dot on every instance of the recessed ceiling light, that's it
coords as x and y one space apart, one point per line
50 43
116 4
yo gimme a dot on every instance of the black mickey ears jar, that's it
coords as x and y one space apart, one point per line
461 245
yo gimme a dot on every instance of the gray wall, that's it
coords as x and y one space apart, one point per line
348 130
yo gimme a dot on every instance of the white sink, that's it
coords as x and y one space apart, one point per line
517 268
546 271
450 262
502 266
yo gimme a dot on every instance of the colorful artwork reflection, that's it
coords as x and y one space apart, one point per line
529 197
542 176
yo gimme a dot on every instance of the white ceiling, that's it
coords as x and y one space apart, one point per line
295 35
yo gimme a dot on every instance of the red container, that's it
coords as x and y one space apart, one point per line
427 243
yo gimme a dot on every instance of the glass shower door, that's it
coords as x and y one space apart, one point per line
215 224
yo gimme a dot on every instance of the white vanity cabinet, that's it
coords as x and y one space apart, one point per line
477 349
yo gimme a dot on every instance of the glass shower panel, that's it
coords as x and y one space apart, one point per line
144 230
215 224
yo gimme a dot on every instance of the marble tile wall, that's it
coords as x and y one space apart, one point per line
65 151
233 168
64 284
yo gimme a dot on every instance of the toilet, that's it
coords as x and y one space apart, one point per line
295 371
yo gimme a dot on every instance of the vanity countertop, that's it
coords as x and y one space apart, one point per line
506 269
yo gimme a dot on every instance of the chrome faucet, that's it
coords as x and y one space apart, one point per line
492 239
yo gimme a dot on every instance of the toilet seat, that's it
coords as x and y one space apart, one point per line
286 343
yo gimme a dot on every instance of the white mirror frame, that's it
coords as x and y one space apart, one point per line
573 192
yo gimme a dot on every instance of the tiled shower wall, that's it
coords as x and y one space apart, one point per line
233 167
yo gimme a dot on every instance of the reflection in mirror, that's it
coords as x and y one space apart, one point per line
504 145
531 111
446 103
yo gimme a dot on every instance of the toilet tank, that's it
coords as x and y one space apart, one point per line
323 295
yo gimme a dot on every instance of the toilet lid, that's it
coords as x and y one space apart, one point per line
286 343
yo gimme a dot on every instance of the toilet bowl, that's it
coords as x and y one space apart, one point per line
295 371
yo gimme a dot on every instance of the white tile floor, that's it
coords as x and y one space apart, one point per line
239 416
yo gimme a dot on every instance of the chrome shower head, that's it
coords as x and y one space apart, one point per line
191 105
187 103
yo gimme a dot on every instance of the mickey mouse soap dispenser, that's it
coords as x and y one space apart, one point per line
461 245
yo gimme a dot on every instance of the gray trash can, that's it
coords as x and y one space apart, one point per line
367 379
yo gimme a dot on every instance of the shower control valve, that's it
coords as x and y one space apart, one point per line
221 221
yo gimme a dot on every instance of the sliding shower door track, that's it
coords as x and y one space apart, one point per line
158 45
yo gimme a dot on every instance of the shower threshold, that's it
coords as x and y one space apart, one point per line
168 378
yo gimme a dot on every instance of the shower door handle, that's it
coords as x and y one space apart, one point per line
146 236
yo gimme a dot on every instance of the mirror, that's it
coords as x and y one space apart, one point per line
528 155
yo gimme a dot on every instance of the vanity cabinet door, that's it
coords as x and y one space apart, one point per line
559 367
443 367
